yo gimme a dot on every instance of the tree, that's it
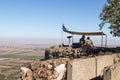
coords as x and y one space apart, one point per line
111 15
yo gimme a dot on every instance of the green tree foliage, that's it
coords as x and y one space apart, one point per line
111 15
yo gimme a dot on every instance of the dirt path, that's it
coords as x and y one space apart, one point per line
5 67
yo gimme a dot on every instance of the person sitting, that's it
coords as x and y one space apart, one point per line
89 46
88 42
82 41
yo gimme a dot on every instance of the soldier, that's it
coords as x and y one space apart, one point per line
89 46
82 41
88 42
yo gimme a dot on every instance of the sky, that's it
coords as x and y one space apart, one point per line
44 18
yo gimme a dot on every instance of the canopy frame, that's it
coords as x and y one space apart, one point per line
86 34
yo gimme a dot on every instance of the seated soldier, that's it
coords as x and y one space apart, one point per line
88 42
89 46
82 41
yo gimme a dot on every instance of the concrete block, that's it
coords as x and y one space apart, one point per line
116 57
102 62
106 74
81 69
90 68
115 72
69 70
112 72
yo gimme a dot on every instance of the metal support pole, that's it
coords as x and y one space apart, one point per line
106 40
102 41
72 38
69 42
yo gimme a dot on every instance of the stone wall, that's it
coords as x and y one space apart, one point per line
54 69
84 68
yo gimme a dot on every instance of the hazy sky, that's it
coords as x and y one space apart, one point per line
44 18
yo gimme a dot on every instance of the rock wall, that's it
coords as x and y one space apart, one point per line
54 69
59 51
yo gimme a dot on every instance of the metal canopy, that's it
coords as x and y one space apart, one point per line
83 33
87 33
